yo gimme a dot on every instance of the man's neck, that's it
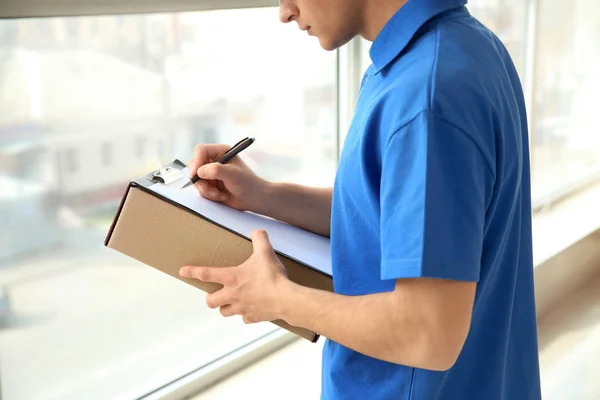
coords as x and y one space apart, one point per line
376 14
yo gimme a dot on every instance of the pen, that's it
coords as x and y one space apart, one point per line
225 158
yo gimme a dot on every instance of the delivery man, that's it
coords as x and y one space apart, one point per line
429 216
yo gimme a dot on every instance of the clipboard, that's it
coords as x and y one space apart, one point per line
166 230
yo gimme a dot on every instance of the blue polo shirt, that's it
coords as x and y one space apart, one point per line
434 182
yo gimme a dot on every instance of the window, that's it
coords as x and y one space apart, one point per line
106 154
71 161
508 20
565 146
8 33
566 139
141 147
88 322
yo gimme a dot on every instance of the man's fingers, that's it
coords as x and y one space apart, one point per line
193 166
210 192
214 171
220 298
227 311
206 274
260 241
205 153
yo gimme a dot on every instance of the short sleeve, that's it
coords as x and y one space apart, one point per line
435 188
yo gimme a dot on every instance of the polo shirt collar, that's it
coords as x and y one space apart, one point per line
402 27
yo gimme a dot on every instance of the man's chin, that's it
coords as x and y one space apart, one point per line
328 44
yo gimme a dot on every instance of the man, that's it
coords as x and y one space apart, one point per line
429 216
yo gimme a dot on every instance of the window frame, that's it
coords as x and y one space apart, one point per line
65 8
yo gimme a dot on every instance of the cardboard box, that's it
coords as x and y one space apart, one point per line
166 235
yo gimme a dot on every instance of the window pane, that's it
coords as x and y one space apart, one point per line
508 20
566 146
90 103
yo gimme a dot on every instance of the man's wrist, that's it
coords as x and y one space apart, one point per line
290 302
265 197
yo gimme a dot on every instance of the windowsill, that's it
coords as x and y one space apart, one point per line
566 246
565 224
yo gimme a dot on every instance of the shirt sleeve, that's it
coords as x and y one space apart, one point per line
435 188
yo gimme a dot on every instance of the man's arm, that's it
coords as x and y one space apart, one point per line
308 208
423 323
235 185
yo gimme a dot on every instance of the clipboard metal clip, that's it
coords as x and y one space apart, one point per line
167 175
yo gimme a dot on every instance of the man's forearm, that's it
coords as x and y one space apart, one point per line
308 208
385 326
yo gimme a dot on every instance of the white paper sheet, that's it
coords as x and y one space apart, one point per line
304 246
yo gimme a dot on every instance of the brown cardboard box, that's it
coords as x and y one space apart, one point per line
166 235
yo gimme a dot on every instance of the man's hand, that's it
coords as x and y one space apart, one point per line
237 186
252 289
233 184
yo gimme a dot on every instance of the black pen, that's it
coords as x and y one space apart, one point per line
225 158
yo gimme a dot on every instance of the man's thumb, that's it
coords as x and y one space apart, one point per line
212 171
260 241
